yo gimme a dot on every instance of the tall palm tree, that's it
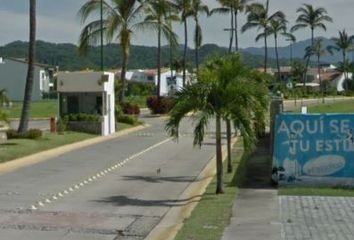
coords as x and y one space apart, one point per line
159 17
23 126
239 7
234 8
122 18
184 7
317 50
277 27
292 40
310 17
260 18
221 93
198 8
343 43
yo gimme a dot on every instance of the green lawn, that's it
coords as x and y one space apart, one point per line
16 148
338 107
320 191
213 212
40 109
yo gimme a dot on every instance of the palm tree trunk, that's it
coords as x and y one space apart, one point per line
228 131
265 51
185 51
197 44
305 74
30 72
236 30
125 56
345 71
219 163
231 30
277 56
158 90
319 77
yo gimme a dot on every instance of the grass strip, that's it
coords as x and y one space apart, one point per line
338 107
316 191
39 109
16 148
213 212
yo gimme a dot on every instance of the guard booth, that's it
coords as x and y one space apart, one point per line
90 93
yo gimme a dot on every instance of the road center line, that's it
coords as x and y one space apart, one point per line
96 176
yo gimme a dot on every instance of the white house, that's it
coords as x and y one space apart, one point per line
13 78
171 81
339 82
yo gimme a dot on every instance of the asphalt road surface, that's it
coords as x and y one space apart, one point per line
119 189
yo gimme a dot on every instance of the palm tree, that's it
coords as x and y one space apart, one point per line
184 7
121 19
318 51
259 17
343 43
23 126
312 18
232 7
226 8
198 8
226 89
239 7
277 26
292 39
159 17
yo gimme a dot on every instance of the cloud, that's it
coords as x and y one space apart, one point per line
57 22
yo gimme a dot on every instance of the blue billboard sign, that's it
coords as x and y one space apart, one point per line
314 149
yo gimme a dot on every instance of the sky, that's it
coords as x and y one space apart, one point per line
58 22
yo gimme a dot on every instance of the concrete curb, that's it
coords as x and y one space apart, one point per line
15 164
32 119
172 221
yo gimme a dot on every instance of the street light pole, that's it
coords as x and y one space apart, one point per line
102 36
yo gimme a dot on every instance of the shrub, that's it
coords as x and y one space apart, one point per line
160 105
118 111
30 134
62 125
82 117
132 120
34 134
129 108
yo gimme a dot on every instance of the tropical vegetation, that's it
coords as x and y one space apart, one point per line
259 17
226 89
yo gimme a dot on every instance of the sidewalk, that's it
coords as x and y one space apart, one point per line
255 214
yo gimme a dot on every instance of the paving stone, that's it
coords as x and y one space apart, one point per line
316 217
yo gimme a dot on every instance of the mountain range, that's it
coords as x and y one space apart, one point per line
67 57
298 51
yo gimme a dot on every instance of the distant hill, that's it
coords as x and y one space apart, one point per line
298 51
66 55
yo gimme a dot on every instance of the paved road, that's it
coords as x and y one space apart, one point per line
111 190
39 124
